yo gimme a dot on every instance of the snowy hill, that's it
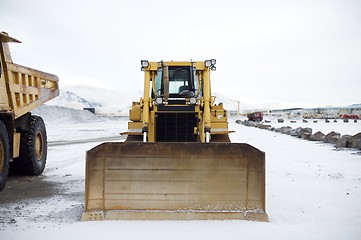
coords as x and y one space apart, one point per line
118 102
106 101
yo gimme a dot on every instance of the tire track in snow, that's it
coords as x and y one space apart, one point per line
80 141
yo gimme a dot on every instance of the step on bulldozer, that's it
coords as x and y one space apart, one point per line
177 162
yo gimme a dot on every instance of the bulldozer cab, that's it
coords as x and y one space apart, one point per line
177 105
183 81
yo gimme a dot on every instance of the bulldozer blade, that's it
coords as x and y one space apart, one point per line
174 181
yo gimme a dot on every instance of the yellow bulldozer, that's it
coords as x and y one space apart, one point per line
177 162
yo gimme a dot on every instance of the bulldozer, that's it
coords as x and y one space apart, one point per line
177 162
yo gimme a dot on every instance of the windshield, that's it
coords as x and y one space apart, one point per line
183 81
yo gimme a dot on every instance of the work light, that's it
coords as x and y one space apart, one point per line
193 100
208 63
144 63
159 100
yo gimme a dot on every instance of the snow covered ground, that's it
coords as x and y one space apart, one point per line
313 190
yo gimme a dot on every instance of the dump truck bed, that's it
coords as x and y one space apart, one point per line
23 89
27 88
175 181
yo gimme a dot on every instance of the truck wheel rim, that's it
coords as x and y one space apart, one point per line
2 156
39 146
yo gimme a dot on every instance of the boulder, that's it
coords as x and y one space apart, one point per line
248 123
343 141
305 133
286 130
264 126
318 136
334 139
277 130
356 144
295 132
327 138
355 141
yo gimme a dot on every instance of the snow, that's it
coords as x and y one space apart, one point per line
313 191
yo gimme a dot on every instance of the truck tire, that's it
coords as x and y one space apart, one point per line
33 149
4 155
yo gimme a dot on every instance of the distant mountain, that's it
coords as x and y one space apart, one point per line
118 102
104 100
357 105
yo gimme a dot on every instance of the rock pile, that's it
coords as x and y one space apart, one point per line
335 138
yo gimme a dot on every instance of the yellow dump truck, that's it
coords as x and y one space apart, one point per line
177 162
23 142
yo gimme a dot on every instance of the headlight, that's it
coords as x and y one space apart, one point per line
159 100
208 63
144 63
193 100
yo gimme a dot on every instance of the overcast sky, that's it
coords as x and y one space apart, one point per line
303 53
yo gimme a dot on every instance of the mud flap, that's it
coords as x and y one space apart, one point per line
175 181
